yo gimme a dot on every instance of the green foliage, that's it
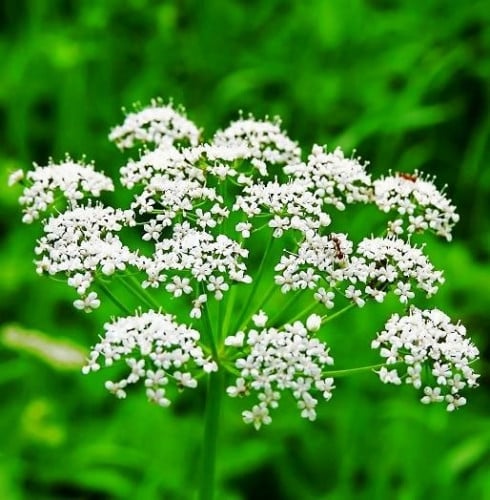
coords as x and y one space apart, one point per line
406 82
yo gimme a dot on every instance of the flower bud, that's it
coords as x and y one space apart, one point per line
313 322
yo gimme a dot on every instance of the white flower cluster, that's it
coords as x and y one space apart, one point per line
319 257
264 142
157 350
157 124
208 260
435 353
291 205
190 228
419 204
377 265
70 178
167 161
81 242
335 179
180 195
168 199
392 260
277 360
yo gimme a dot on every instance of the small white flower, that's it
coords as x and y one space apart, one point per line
185 379
307 406
87 304
326 386
137 369
179 286
326 298
454 402
244 229
116 388
404 292
15 177
389 376
258 416
355 295
313 322
157 396
155 378
432 395
218 286
236 340
260 319
239 389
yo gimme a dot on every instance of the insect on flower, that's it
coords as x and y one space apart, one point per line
407 177
339 254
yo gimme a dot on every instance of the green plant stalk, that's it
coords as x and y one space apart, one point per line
284 307
330 317
230 304
143 293
208 324
112 297
214 397
244 318
135 292
304 312
350 371
272 290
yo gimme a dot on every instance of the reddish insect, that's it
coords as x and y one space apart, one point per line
407 177
339 254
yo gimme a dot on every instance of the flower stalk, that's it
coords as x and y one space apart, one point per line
212 420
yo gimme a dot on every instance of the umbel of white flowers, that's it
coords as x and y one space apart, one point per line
202 212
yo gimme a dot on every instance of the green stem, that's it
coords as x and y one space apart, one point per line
113 298
209 330
350 371
143 293
241 323
230 305
304 312
327 318
285 307
219 319
134 292
267 296
211 430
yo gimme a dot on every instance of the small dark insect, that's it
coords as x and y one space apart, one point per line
338 249
407 177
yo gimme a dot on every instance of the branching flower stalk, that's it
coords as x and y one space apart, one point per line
231 232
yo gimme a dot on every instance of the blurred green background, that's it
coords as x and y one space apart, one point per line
405 82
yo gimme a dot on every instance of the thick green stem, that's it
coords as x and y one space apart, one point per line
211 431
